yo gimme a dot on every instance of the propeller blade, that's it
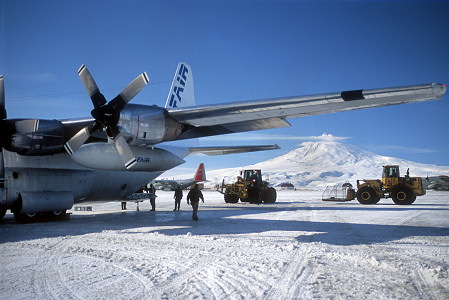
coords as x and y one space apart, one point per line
91 87
125 151
2 99
107 115
129 92
80 138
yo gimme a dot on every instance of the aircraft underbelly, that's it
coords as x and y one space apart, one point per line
116 185
45 179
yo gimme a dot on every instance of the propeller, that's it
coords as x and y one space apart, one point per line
107 115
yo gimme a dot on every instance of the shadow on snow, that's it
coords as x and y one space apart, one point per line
231 220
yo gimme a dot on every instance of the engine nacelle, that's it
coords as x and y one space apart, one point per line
104 156
148 124
33 137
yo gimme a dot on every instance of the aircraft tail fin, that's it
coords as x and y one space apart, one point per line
182 93
200 173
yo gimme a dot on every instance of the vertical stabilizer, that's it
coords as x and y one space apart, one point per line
181 92
2 99
200 173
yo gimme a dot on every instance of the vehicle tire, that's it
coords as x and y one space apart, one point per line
2 213
244 199
254 195
26 218
56 215
403 196
269 195
367 195
231 198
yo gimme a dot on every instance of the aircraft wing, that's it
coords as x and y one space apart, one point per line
211 151
271 113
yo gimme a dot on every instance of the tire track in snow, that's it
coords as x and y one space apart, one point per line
297 271
72 272
199 274
189 276
50 286
396 259
410 263
115 267
416 278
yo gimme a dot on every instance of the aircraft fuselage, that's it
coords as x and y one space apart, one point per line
58 182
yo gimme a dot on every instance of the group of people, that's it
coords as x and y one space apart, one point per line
193 198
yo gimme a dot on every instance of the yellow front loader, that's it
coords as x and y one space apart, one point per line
403 190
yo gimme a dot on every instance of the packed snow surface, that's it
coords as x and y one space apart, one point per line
297 248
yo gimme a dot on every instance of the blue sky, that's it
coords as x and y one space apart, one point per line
238 50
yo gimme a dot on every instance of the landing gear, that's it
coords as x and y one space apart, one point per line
56 215
26 218
2 213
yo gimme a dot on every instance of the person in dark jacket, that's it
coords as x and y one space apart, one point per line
152 194
194 197
177 197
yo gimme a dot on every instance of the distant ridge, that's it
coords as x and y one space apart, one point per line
317 164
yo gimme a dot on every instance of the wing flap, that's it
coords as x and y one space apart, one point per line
251 125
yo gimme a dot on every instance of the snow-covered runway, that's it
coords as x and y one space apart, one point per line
297 248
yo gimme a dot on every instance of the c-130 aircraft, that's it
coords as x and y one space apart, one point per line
48 165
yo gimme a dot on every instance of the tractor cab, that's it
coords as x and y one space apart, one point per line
390 175
253 177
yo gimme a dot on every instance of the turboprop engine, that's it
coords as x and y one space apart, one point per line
32 136
104 156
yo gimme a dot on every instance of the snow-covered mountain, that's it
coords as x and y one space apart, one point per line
316 165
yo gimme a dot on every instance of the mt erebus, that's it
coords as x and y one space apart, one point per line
316 165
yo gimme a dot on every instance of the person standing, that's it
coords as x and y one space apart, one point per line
194 197
152 194
178 196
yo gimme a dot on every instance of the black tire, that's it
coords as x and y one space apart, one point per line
254 195
2 213
244 199
26 218
231 198
367 195
403 196
269 195
55 215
